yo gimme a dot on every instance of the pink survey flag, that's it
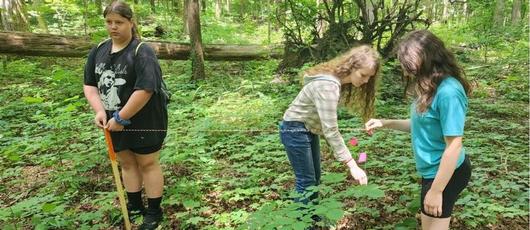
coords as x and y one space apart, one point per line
362 157
353 141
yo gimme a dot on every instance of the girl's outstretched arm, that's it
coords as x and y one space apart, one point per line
401 125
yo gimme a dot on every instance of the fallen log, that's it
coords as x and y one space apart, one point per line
48 45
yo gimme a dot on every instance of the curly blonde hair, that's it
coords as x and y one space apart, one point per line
360 99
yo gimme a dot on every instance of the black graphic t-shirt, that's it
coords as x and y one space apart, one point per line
117 76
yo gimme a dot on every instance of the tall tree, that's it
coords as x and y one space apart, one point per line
227 6
197 54
322 24
465 10
445 13
435 9
429 7
498 17
242 8
13 15
516 12
185 24
218 9
85 16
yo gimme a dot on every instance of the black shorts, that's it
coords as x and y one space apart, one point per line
146 150
138 138
456 184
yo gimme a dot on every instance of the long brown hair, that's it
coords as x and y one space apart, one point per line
425 57
124 10
362 98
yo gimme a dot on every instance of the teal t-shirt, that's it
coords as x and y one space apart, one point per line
445 117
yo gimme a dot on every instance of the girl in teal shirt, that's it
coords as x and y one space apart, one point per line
436 124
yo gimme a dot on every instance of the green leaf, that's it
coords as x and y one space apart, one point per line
195 220
191 204
299 226
409 223
371 191
334 214
48 207
32 100
333 178
414 206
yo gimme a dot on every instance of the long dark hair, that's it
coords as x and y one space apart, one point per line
124 10
361 98
425 57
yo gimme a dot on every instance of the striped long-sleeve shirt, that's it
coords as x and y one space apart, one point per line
316 106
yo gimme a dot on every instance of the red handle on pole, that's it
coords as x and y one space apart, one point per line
108 139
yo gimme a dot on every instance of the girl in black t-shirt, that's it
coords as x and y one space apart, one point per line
123 84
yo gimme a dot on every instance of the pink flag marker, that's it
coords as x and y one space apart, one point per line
353 141
362 158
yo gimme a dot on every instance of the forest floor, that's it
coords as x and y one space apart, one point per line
223 161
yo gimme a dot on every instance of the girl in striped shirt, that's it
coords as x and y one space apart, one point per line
349 80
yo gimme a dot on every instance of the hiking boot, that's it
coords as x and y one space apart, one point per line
135 213
152 219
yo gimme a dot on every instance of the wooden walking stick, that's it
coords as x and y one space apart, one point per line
117 179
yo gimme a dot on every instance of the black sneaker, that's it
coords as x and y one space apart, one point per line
152 219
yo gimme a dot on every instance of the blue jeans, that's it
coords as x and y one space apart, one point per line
303 151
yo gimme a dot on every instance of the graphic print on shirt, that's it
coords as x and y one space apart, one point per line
108 83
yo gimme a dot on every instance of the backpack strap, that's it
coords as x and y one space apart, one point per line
163 88
137 48
135 51
101 43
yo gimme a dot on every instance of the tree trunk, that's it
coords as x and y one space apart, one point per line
370 11
445 13
13 15
429 9
218 9
85 16
48 45
242 8
185 30
197 54
227 6
435 11
466 11
269 21
322 24
499 13
516 12
280 14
